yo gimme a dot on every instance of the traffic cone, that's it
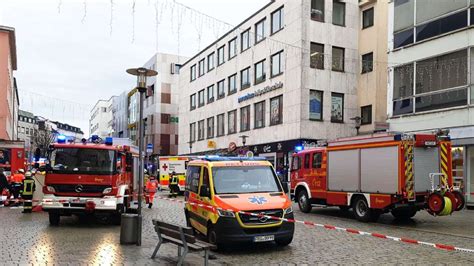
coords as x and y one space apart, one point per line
37 208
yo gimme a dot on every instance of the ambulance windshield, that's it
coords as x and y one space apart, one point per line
84 161
245 179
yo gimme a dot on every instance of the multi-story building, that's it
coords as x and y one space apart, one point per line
160 107
27 129
71 133
430 84
372 80
8 90
283 79
101 120
119 116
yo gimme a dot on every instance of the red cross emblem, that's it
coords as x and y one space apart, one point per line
165 167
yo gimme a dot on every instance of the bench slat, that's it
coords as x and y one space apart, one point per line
180 243
186 230
188 238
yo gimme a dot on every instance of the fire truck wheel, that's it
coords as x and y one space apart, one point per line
460 201
436 203
362 211
116 218
303 202
404 213
54 218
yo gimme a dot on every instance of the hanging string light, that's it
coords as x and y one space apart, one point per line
85 12
111 16
133 21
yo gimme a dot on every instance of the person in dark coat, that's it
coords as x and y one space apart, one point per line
3 180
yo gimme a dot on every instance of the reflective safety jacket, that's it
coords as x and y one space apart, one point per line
151 186
28 186
17 178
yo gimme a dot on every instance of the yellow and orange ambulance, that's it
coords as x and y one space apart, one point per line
231 199
170 164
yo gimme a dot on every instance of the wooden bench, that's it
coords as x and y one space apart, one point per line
182 237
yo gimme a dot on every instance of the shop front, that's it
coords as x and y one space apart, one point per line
463 161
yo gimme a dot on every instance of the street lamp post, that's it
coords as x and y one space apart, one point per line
142 74
244 141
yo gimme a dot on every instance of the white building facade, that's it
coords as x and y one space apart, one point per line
283 79
101 119
431 59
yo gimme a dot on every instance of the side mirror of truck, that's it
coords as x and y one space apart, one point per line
205 192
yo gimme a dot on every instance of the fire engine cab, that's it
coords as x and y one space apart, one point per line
92 177
12 156
375 174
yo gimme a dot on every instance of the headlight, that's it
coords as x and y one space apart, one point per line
289 210
224 213
107 190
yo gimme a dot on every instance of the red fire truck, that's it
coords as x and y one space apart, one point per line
12 156
376 174
89 178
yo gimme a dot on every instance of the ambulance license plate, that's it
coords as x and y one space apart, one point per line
76 201
264 238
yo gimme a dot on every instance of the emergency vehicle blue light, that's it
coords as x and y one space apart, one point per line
299 148
94 138
109 141
61 139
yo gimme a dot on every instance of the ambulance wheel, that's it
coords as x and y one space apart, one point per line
303 202
362 211
459 199
54 218
404 213
283 242
212 237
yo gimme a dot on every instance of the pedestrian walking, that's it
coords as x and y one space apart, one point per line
27 192
151 187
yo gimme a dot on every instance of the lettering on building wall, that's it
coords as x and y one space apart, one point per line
259 92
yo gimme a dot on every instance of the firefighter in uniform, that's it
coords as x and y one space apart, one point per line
17 182
27 192
151 187
174 188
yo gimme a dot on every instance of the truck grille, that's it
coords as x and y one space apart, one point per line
255 220
85 188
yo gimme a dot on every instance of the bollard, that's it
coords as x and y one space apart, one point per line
129 229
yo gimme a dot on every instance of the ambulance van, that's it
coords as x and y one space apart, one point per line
230 200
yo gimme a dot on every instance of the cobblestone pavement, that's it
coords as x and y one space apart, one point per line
28 239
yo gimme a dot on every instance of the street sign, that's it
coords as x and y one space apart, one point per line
149 147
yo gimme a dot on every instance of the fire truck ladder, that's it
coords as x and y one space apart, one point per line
408 147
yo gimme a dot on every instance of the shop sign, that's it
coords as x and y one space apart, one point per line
259 92
174 119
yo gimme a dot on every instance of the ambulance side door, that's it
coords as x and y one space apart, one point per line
205 194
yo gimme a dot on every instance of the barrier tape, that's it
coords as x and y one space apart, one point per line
331 227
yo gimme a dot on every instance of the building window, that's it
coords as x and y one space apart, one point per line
220 89
367 62
232 48
337 59
193 101
277 64
366 115
317 10
165 118
338 13
202 69
315 105
232 122
193 72
368 18
245 118
201 130
220 55
210 127
210 94
317 55
220 125
260 31
441 26
260 72
245 78
232 83
337 107
192 132
403 89
276 110
277 20
201 98
210 62
245 40
260 114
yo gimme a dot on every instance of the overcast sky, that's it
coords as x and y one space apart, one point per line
72 53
